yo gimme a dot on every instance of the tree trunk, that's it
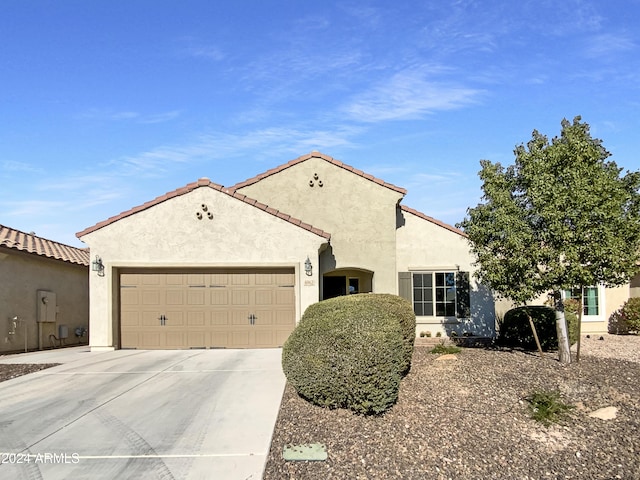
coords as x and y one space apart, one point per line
535 334
580 311
564 349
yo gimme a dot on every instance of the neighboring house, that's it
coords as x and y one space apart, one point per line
206 266
44 292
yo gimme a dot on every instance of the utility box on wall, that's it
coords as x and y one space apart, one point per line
47 307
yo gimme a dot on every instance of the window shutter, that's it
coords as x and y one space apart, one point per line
404 285
463 300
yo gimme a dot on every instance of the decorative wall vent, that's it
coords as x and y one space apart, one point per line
205 210
315 180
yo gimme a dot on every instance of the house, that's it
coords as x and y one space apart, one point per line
206 266
44 292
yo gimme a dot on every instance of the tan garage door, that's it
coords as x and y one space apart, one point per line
213 309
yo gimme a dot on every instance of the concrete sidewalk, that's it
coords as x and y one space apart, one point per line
194 414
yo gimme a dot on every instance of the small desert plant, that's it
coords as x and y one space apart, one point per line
438 334
546 406
441 349
428 334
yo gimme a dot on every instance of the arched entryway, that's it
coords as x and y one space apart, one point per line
346 281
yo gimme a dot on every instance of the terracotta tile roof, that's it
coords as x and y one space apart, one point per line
28 242
433 220
327 158
205 182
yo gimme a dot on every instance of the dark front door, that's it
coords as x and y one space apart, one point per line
333 287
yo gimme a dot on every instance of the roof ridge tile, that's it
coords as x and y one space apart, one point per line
323 156
33 244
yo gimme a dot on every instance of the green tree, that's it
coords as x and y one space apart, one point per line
561 217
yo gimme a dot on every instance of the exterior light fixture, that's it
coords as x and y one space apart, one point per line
98 266
308 268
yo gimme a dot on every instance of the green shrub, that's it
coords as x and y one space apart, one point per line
515 330
350 352
627 318
443 349
546 406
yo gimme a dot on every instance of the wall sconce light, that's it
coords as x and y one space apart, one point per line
308 268
98 266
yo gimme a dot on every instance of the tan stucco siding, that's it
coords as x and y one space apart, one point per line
21 276
171 235
359 214
423 245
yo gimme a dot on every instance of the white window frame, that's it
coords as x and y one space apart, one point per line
600 290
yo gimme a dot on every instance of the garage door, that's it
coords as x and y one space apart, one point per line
206 309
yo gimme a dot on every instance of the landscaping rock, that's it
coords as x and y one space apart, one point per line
447 357
606 413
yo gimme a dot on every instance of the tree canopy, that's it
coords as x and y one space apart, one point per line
562 216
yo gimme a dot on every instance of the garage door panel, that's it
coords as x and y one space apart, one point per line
151 279
220 318
175 339
240 338
197 279
198 338
264 317
130 296
239 317
151 297
284 296
149 339
175 318
264 297
130 319
150 318
229 308
196 318
197 296
241 279
264 338
175 297
240 297
219 296
283 318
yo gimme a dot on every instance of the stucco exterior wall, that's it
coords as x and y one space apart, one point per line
423 245
359 214
21 276
169 234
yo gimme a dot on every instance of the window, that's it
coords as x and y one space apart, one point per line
441 294
589 299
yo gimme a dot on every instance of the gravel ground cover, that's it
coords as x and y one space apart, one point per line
9 371
468 418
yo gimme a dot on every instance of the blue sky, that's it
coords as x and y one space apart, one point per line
105 105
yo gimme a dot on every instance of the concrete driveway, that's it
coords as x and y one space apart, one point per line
194 414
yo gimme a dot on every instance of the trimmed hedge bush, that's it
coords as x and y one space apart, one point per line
515 330
626 319
351 352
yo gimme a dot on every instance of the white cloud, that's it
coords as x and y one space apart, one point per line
275 141
128 115
409 94
13 166
608 44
